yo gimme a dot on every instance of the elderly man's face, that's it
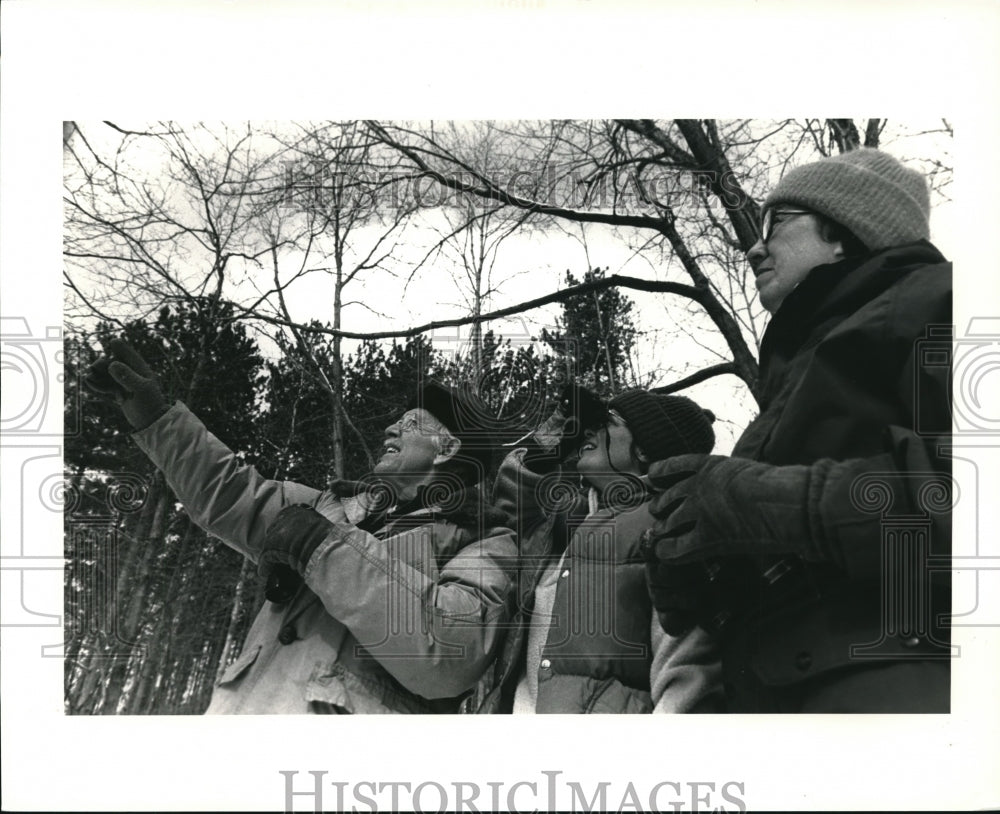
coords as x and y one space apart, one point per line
794 248
411 448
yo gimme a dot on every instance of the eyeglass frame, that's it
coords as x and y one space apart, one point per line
411 421
767 222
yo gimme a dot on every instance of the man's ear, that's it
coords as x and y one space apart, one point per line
449 449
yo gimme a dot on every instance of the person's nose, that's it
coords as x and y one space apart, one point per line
756 254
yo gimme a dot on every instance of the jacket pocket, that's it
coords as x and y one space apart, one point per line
803 644
239 667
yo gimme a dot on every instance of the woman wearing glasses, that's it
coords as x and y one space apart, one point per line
818 553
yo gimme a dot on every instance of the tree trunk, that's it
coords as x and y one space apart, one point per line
476 337
132 603
154 658
234 631
336 382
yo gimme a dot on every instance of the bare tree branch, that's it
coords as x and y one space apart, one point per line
697 378
635 283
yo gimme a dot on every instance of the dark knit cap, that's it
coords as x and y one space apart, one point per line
664 426
867 191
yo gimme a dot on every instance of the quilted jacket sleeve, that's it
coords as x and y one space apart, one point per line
851 501
222 495
434 627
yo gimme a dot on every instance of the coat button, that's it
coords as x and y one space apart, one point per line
564 574
546 664
911 641
287 634
803 661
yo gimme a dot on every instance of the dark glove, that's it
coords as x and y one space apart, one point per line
679 593
124 375
715 506
559 437
292 538
697 593
542 444
716 518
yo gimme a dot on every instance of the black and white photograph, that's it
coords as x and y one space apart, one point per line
389 373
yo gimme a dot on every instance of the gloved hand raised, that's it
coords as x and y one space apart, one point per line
550 432
583 410
124 375
559 437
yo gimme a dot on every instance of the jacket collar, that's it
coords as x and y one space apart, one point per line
839 289
463 506
828 295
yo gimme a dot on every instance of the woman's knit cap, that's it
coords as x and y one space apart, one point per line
664 426
867 191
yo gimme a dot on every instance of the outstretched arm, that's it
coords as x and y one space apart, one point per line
221 494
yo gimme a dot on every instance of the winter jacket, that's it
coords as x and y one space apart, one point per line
402 620
855 372
604 650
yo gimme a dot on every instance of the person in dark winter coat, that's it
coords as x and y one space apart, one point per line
819 552
585 638
388 596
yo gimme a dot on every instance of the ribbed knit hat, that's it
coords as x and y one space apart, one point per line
869 192
664 426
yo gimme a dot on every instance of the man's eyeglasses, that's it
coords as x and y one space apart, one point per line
772 217
422 424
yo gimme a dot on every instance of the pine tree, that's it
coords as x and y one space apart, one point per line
595 337
142 583
297 426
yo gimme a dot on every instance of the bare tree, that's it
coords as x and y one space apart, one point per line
684 192
598 155
691 186
250 214
351 223
157 215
